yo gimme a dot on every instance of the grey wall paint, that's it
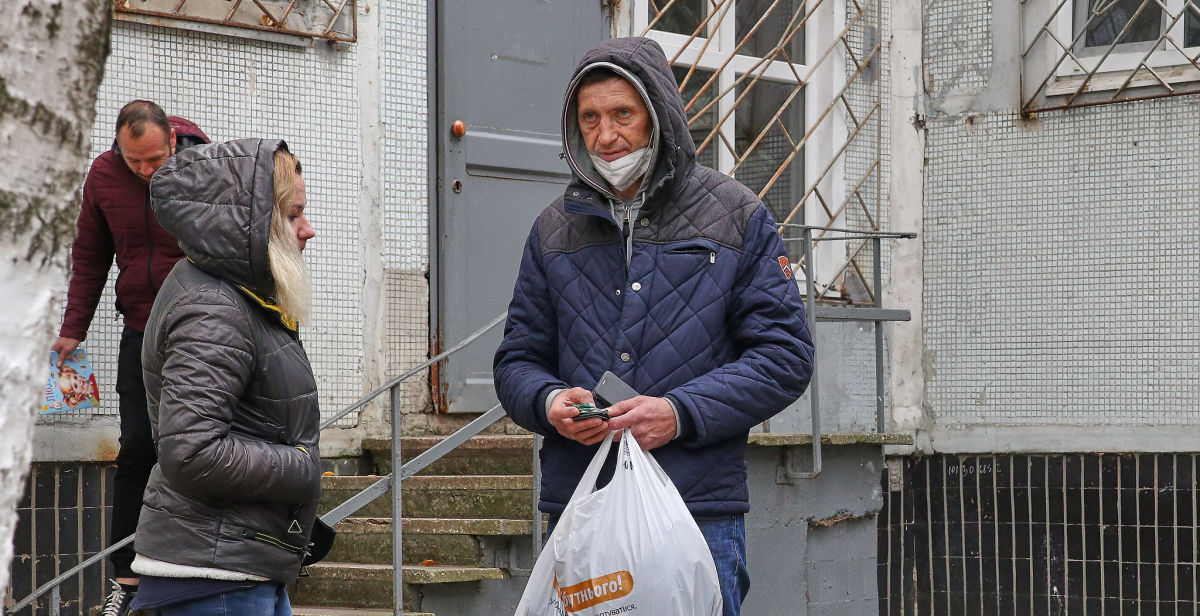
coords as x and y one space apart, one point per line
846 386
811 545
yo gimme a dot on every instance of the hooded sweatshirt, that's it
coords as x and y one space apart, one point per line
692 299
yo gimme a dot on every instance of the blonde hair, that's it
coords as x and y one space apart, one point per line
293 291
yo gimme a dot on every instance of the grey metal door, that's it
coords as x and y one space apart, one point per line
502 67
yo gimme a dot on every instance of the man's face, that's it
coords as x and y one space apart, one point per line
145 154
613 119
296 217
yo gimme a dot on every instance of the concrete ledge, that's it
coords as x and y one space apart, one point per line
481 442
446 575
77 439
446 526
439 526
772 439
1061 439
413 574
469 482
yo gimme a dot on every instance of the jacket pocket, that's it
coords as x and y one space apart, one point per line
699 252
249 533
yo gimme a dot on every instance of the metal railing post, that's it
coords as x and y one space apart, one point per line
811 316
56 601
880 420
397 511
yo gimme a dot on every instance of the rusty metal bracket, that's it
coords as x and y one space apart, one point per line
333 20
796 462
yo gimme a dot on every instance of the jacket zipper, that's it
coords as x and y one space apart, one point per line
150 247
279 543
627 240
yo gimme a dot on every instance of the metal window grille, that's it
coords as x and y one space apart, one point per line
335 20
1079 53
786 97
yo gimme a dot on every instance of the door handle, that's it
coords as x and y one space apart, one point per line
458 128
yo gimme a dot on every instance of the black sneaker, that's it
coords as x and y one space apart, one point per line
119 600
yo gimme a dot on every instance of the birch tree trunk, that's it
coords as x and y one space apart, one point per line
52 55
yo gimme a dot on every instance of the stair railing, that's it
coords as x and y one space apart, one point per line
876 314
370 493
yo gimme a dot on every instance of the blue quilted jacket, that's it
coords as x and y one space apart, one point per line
706 313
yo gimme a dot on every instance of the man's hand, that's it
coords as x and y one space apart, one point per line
64 346
650 420
588 431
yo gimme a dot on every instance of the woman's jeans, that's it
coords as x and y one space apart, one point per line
262 600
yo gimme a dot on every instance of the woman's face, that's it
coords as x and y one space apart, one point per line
296 217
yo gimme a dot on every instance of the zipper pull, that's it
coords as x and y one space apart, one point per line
712 257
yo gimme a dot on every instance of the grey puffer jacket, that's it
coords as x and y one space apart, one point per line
232 399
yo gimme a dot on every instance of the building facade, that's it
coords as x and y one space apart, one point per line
1045 366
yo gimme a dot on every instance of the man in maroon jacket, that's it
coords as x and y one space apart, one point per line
116 219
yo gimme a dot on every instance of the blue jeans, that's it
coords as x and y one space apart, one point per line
262 600
726 538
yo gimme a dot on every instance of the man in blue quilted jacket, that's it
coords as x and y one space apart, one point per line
670 275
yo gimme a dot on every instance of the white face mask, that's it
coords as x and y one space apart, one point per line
624 171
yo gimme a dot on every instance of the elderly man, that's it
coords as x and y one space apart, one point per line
115 220
670 275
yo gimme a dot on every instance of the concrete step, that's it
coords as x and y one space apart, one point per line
488 454
370 586
507 497
445 541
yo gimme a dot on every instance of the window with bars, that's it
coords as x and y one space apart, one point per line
778 93
738 64
1098 51
335 20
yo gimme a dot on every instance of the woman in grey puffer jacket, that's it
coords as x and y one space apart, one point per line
233 404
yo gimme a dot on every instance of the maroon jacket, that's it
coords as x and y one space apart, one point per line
116 218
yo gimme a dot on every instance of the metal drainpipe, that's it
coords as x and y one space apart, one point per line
397 511
880 419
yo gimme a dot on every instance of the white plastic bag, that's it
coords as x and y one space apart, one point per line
630 547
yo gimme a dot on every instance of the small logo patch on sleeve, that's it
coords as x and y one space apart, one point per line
786 267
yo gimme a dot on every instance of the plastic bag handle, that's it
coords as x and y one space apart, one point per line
587 483
640 460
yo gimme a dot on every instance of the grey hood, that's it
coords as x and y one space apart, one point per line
218 200
641 61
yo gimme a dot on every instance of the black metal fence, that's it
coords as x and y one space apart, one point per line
1092 534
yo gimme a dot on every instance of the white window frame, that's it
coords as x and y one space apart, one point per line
827 20
1125 57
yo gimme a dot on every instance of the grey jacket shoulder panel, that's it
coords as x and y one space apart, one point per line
560 231
710 206
218 199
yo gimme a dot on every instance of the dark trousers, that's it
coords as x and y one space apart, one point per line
137 455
